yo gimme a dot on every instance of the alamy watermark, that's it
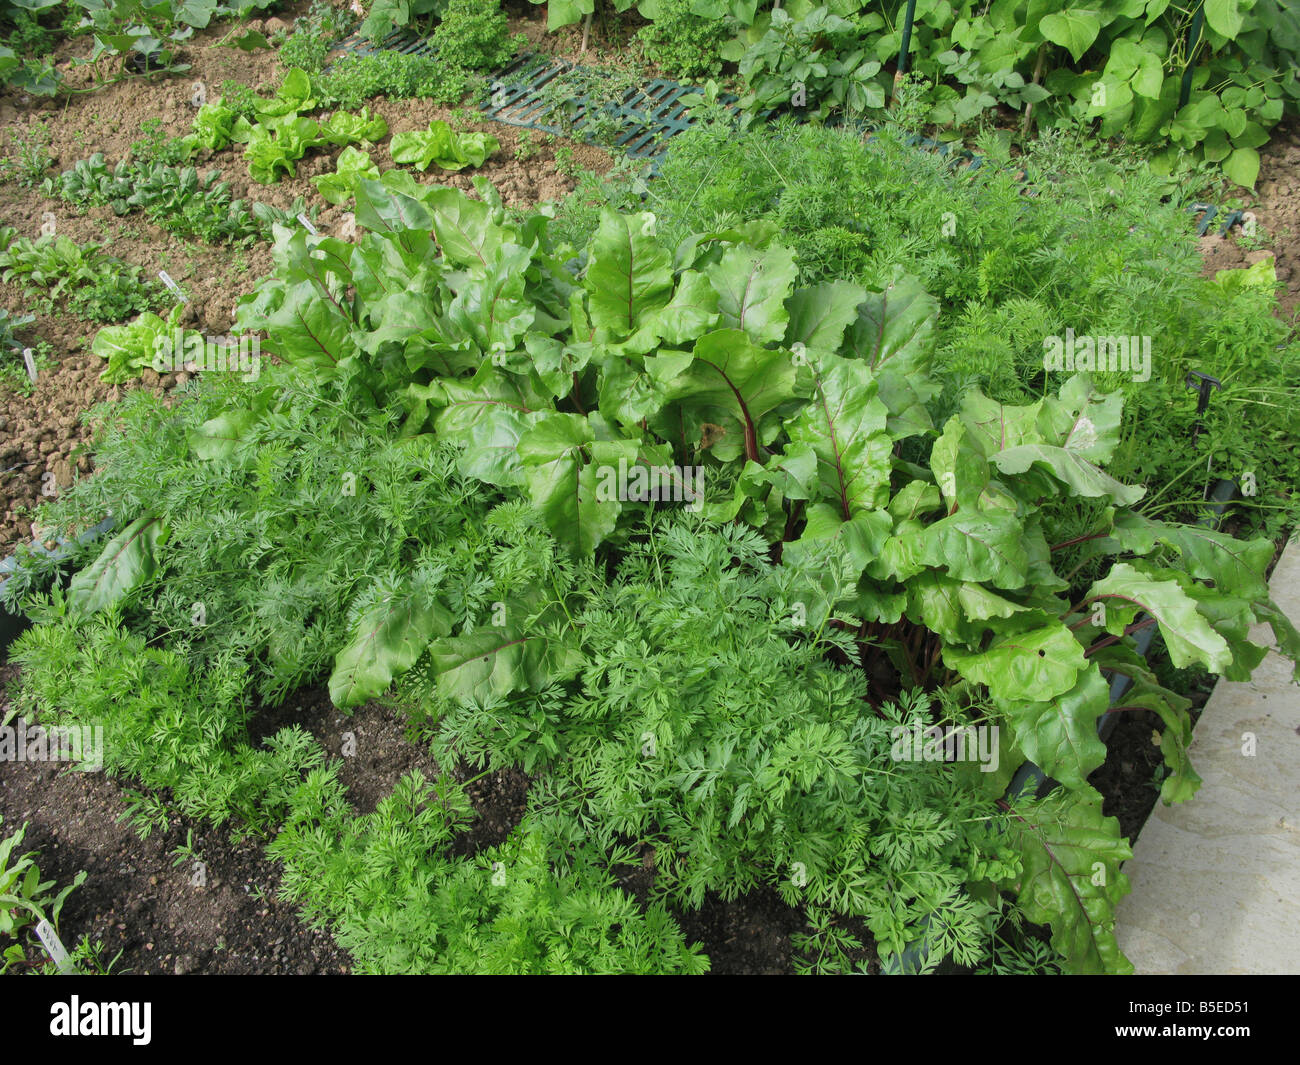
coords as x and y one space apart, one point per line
966 743
58 743
1114 354
77 1018
646 484
176 351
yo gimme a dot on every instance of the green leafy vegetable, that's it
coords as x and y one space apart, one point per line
440 146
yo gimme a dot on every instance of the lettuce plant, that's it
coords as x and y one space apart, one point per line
351 167
129 349
277 133
440 146
213 126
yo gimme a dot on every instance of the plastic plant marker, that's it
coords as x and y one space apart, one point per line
53 946
166 279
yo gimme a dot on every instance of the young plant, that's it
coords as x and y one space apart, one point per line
25 899
591 96
29 157
25 47
176 198
156 147
442 147
385 16
57 271
354 79
683 43
352 167
472 35
400 903
817 65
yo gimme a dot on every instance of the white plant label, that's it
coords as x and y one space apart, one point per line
53 946
48 224
166 279
306 224
30 363
199 95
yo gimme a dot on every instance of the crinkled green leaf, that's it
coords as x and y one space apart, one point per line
565 468
975 546
351 167
628 275
492 663
844 424
344 127
819 315
1059 734
1068 467
731 395
441 146
1237 567
894 334
752 287
213 126
492 307
130 348
860 538
1037 665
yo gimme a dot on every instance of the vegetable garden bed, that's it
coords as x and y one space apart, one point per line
641 736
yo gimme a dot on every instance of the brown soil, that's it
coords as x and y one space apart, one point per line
137 900
1277 211
610 43
382 751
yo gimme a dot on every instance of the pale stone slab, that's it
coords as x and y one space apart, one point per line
1216 881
